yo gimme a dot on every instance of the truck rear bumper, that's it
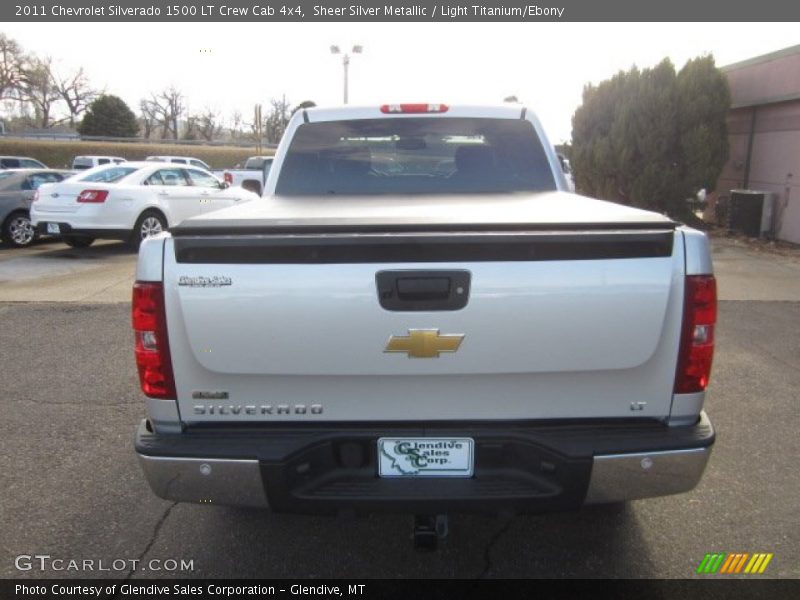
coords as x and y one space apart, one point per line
517 469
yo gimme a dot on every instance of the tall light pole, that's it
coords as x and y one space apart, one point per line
357 49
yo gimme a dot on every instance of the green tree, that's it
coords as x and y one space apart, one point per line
109 115
652 138
704 97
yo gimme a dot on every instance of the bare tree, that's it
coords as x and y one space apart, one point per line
165 109
237 122
76 93
155 115
148 121
174 103
209 125
12 62
277 120
192 126
38 87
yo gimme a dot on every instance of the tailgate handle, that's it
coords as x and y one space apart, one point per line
425 289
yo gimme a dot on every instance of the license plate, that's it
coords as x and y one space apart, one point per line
426 457
53 228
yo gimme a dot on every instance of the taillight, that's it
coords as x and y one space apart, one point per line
95 196
697 337
152 345
228 178
413 108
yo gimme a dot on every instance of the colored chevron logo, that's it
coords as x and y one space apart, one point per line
737 562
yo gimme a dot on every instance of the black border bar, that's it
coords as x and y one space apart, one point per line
333 11
701 588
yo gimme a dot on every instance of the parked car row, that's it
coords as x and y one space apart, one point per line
110 197
181 160
87 162
122 200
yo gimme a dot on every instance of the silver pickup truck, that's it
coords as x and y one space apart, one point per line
420 318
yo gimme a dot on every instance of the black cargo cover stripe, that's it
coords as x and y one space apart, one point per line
244 227
332 249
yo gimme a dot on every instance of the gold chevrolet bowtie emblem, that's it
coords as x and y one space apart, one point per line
424 343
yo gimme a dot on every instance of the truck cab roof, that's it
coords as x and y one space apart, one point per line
489 111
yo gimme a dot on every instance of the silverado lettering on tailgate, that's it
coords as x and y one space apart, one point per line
252 409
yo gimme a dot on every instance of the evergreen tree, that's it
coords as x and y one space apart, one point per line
109 116
652 138
704 97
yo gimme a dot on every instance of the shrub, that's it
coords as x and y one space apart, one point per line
109 116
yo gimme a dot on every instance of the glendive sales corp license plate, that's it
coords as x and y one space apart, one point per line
53 228
426 457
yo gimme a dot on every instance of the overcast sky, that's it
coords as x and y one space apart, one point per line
226 66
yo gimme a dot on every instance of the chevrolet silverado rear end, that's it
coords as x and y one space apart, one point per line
421 319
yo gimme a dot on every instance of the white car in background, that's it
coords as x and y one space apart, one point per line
181 160
83 163
129 201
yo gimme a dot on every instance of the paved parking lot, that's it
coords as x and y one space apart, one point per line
72 488
50 271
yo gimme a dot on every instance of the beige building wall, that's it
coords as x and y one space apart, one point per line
767 88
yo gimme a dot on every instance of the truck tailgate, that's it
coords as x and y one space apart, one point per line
557 324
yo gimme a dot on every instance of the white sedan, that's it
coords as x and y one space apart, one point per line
128 201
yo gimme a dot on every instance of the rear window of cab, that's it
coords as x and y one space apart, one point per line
431 155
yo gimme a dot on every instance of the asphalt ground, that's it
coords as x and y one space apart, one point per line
71 487
49 271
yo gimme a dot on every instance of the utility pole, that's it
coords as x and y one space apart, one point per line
357 49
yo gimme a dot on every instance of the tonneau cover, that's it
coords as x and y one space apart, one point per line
480 212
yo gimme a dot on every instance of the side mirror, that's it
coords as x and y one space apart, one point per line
224 185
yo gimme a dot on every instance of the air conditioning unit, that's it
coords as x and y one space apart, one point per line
752 212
